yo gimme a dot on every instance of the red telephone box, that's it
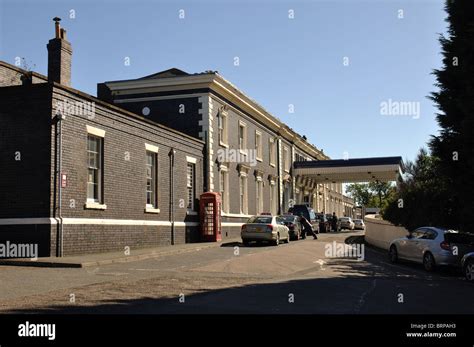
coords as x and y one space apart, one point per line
210 215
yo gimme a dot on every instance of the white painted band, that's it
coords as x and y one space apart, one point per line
91 221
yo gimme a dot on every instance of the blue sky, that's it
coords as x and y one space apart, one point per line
283 61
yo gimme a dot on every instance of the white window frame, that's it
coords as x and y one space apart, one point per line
152 208
273 198
286 159
242 146
259 195
243 193
93 203
259 145
224 179
272 151
190 204
223 125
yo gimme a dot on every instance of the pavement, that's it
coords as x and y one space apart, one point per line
299 277
98 259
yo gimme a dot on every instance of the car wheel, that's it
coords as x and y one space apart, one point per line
429 262
246 243
277 241
287 238
393 254
469 271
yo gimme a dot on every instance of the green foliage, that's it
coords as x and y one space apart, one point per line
439 189
454 146
423 198
373 194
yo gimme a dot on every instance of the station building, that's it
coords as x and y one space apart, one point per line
84 174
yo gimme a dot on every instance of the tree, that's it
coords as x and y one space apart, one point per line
422 198
454 146
361 193
382 191
373 194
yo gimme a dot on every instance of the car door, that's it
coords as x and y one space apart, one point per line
412 248
286 230
281 228
425 242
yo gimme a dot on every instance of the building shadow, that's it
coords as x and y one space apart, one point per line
360 287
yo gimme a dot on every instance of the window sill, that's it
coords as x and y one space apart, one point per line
152 210
191 213
272 165
95 206
223 144
259 159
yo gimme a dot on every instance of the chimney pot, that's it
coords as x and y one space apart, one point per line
59 56
57 27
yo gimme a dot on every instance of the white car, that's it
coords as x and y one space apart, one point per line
426 245
359 224
346 223
265 228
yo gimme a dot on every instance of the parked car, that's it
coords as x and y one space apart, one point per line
324 223
294 225
467 264
308 213
359 224
432 247
265 228
346 223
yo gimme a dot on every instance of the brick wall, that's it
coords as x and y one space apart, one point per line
124 179
11 75
27 126
25 151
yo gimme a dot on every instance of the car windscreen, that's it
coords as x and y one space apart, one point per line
288 218
344 219
260 219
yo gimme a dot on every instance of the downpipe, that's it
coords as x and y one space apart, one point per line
171 154
59 244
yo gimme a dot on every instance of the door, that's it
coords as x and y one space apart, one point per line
413 245
425 242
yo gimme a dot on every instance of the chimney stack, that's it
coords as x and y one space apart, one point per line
59 56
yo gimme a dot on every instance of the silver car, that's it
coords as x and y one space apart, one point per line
346 223
467 264
359 224
426 245
265 228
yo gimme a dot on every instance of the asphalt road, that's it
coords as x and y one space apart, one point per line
299 277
